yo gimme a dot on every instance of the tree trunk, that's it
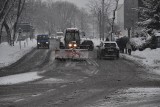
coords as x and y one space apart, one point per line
8 32
1 27
19 11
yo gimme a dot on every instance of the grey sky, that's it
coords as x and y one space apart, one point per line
79 3
82 3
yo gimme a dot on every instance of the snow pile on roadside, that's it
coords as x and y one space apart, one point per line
137 41
19 78
149 58
9 55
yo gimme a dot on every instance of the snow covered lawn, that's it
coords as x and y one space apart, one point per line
9 55
148 58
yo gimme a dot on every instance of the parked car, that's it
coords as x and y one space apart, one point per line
42 41
87 44
108 49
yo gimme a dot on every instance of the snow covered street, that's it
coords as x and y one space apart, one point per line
119 83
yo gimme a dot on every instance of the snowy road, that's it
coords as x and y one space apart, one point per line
91 83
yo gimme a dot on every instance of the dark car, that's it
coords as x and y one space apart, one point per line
108 49
87 44
42 41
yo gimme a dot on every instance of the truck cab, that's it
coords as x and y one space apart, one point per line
71 39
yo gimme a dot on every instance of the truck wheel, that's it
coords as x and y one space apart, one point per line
97 55
117 56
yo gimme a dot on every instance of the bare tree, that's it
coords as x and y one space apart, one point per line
10 12
101 9
6 7
52 16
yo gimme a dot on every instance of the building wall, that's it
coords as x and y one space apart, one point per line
120 19
127 16
130 13
120 16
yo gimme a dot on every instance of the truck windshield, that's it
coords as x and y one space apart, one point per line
71 36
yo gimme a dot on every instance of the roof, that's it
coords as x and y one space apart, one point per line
108 41
42 35
72 29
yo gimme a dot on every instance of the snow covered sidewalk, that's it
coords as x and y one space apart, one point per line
148 58
9 55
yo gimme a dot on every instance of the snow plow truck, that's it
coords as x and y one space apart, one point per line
70 46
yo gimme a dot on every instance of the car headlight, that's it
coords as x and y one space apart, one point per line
38 43
46 42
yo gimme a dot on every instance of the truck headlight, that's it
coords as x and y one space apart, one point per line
70 45
75 45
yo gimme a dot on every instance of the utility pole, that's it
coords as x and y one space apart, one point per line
100 23
103 23
113 19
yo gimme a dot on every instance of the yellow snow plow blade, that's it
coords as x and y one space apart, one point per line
80 54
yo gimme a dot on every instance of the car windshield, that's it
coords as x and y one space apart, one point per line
42 37
109 45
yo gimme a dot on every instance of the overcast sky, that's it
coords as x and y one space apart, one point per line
81 3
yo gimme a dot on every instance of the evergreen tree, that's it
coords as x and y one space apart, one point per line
150 15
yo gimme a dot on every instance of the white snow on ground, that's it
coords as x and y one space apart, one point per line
148 58
133 97
9 55
19 78
52 81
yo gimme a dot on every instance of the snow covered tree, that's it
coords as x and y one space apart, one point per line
150 15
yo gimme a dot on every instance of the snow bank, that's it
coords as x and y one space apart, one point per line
9 55
149 58
19 78
138 41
